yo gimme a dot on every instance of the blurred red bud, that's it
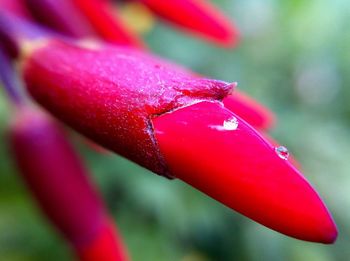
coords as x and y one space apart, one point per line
58 180
198 16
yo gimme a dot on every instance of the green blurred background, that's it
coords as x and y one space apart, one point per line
294 57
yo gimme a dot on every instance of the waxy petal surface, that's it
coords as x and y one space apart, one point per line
233 164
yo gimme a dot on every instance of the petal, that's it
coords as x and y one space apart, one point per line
233 164
199 16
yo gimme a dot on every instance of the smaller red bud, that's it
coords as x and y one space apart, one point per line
59 182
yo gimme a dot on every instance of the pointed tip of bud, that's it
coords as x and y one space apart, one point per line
230 40
232 86
215 151
330 236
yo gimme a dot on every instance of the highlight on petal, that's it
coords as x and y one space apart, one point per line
250 110
199 16
237 167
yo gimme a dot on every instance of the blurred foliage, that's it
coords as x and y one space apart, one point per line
295 58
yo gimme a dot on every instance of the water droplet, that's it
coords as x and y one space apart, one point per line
228 125
282 152
231 124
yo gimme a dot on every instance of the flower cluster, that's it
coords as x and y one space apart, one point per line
86 68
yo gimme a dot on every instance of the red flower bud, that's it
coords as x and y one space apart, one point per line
172 122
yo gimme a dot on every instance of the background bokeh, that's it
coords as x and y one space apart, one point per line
294 57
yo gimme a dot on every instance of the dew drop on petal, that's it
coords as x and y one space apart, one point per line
282 152
230 124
